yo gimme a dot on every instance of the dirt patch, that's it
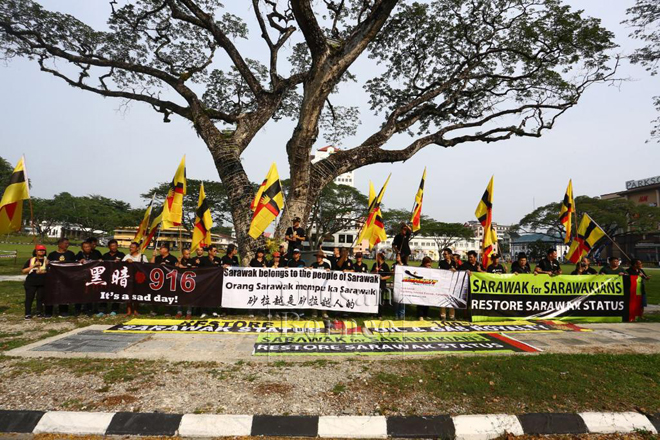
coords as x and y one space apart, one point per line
119 399
273 388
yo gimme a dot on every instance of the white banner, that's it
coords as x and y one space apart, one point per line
256 288
430 287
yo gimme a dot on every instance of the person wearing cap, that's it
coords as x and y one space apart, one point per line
35 282
259 259
359 265
276 262
549 265
294 235
613 268
320 262
495 266
521 265
295 261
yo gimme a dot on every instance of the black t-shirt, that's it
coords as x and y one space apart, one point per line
383 270
82 256
517 268
187 262
589 271
64 257
549 266
197 261
347 265
469 266
118 256
294 263
256 263
321 265
633 271
208 262
169 259
96 254
230 261
35 278
443 264
401 242
295 244
607 270
362 267
496 268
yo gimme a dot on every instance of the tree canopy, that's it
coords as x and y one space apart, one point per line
645 21
444 73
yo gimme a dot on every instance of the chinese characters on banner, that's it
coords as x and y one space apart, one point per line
256 288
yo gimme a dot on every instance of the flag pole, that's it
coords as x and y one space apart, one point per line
611 239
27 183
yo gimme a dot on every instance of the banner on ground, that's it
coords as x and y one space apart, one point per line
430 287
105 281
235 326
393 344
257 288
381 327
580 298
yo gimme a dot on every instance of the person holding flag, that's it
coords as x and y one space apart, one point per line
294 235
173 206
373 229
267 203
567 210
151 232
484 214
416 218
201 236
11 206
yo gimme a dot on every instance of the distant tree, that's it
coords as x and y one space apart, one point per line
216 196
339 208
615 216
394 217
5 173
645 20
445 234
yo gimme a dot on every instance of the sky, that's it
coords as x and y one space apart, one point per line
83 144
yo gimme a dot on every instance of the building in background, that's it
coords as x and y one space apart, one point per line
124 237
537 245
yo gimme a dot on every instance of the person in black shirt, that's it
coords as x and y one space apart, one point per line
35 282
471 265
212 260
96 254
294 235
423 311
549 265
85 255
231 257
336 255
584 268
381 268
113 254
320 263
259 260
359 266
613 268
276 262
401 243
61 255
447 262
199 256
636 269
296 261
283 259
495 266
457 260
186 261
521 265
343 263
165 257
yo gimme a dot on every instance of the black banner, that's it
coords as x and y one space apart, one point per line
104 281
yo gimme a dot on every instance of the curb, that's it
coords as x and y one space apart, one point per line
467 427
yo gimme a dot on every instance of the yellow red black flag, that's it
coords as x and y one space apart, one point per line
484 214
173 206
201 236
267 203
11 206
567 211
416 218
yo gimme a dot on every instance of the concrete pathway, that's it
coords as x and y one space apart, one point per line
12 278
91 342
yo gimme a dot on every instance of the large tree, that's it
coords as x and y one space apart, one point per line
615 216
445 73
645 21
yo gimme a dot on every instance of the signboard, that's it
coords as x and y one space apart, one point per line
430 287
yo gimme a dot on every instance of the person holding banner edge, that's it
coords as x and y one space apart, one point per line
548 265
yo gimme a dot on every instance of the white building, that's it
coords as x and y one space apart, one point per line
423 246
526 242
322 153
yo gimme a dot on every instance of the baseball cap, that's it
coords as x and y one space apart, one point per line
276 254
40 247
296 251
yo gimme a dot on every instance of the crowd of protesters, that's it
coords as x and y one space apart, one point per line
36 268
